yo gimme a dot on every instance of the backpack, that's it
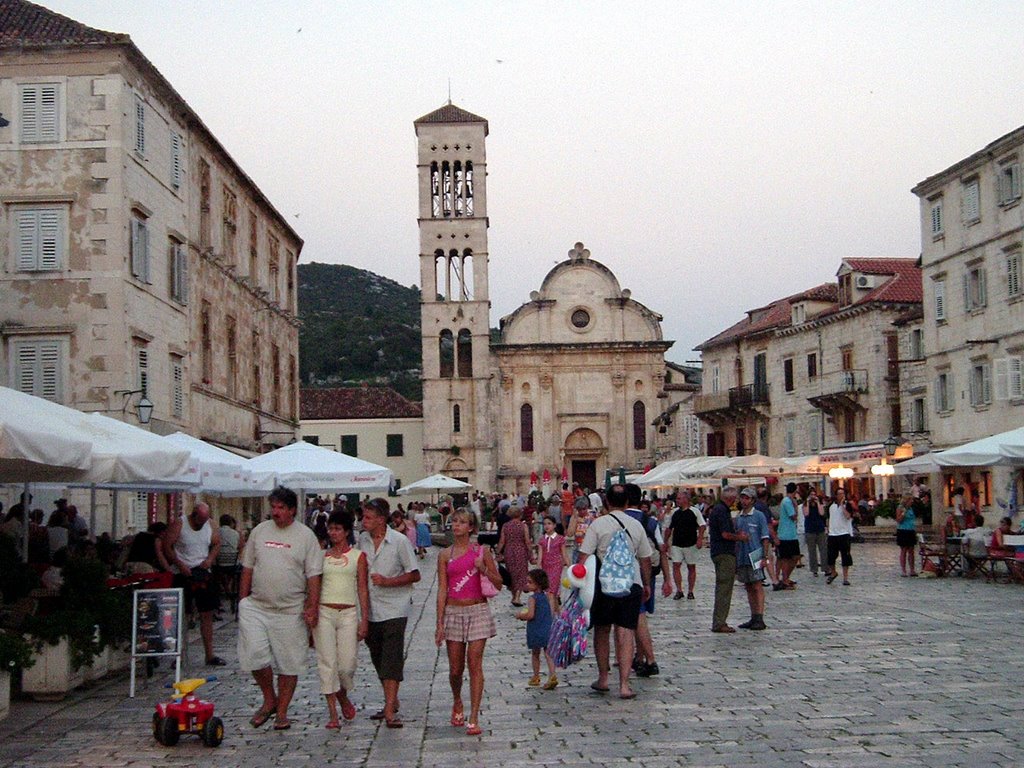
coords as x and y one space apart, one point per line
650 524
619 566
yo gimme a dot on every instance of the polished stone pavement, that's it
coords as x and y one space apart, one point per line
889 671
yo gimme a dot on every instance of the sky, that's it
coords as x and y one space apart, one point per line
715 156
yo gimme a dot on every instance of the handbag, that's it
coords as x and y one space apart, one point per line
487 587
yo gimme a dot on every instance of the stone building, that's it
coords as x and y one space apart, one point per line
375 424
138 257
678 433
815 370
973 326
573 377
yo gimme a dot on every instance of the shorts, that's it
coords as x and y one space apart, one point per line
686 555
466 623
906 538
621 611
386 641
788 549
271 639
205 598
648 605
839 546
748 574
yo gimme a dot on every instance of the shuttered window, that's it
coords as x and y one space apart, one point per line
39 368
981 384
1013 286
142 369
140 249
40 113
1009 183
41 234
177 256
140 125
944 392
1009 380
975 292
177 388
937 224
971 202
940 299
177 162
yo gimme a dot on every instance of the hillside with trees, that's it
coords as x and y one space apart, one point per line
358 327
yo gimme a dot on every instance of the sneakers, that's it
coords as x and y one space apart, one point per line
746 624
648 670
551 684
534 681
758 624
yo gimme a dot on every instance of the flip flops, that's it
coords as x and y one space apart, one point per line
600 688
332 725
394 722
348 710
472 729
282 725
262 716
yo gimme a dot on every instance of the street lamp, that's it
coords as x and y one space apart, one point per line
143 409
891 444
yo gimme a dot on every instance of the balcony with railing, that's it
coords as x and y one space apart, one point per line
748 396
841 391
735 404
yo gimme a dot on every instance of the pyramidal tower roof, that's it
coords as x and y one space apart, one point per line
449 113
27 24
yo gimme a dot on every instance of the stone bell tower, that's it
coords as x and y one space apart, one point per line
455 305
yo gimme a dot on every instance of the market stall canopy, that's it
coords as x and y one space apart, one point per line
754 464
308 467
682 471
128 458
919 465
434 483
37 441
1003 449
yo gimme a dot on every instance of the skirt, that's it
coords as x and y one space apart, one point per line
466 623
423 535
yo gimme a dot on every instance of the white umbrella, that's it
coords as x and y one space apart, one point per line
37 440
128 458
919 465
1005 448
434 483
311 468
222 473
754 463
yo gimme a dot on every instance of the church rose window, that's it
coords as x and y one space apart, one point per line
580 318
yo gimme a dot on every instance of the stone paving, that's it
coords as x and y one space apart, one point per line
886 672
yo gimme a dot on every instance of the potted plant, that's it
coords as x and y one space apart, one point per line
73 633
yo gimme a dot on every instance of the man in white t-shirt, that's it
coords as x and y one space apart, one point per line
622 612
840 535
279 593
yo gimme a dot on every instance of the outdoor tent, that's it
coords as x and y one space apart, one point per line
37 442
434 483
222 473
307 467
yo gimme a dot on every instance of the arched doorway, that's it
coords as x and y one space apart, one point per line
583 450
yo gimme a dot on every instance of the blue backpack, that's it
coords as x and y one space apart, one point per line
618 567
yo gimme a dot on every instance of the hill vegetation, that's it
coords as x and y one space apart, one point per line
358 327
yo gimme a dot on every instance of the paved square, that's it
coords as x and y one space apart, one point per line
886 672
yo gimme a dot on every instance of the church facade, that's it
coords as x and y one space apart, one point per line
572 381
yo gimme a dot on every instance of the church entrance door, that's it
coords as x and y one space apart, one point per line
584 472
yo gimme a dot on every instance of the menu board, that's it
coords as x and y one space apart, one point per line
157 622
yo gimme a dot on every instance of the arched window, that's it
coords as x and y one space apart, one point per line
440 276
456 419
469 188
464 351
639 426
435 190
446 353
458 188
526 428
446 189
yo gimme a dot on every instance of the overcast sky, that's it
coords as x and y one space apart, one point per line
715 156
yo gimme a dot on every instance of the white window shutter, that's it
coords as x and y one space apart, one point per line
27 358
986 384
49 112
973 386
1013 275
135 249
27 236
140 125
967 293
51 241
940 300
1015 181
176 161
1016 378
178 389
982 287
142 358
29 113
49 370
182 257
1002 371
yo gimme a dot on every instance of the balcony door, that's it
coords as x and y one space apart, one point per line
760 377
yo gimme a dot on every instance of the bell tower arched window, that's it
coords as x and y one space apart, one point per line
464 352
446 354
435 190
639 425
446 189
526 428
469 188
459 189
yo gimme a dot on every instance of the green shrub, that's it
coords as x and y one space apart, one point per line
15 653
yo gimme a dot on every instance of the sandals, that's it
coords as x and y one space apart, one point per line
394 722
332 725
458 718
379 714
348 710
262 716
282 725
472 729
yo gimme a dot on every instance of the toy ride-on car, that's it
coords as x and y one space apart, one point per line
187 713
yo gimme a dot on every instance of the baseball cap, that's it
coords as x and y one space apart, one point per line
749 492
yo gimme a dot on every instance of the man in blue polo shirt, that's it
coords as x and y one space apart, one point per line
751 522
789 543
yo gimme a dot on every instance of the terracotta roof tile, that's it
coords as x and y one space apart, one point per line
775 315
903 287
28 24
356 403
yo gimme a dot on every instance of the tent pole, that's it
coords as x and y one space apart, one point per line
92 510
25 515
113 514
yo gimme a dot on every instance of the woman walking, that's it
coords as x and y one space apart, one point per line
906 535
340 627
464 620
514 546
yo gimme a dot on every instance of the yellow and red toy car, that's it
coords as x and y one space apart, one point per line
187 713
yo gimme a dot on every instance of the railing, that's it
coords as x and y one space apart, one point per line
854 381
748 395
